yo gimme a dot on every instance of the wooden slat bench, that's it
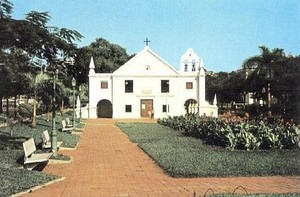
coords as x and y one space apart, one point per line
46 141
32 159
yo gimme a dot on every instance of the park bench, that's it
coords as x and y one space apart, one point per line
65 127
32 159
46 143
68 122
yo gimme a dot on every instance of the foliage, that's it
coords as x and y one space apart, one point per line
45 95
259 68
13 179
247 135
5 8
21 132
29 44
228 86
272 66
16 180
25 110
14 64
184 156
107 58
61 157
34 83
281 72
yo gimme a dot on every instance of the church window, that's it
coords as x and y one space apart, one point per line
104 85
165 107
193 67
128 86
189 85
185 68
164 86
128 108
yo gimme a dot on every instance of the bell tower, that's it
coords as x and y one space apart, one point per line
190 61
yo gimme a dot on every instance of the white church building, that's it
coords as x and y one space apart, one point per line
148 86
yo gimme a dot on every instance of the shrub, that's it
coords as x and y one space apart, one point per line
25 110
236 134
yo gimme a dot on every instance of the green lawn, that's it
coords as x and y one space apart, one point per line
13 178
182 156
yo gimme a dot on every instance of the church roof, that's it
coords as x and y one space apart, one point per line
148 63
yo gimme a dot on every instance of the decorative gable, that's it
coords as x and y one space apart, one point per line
146 63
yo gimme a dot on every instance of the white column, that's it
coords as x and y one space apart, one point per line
201 86
92 107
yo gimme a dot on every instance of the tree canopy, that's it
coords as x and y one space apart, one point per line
29 45
281 72
107 58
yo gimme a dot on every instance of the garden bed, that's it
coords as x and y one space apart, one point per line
13 178
237 133
184 156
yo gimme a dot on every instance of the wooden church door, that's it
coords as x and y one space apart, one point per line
146 107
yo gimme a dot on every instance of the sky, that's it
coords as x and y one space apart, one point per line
222 32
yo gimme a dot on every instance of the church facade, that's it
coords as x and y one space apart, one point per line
147 86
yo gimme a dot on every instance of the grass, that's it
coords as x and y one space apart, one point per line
182 156
16 180
61 157
13 178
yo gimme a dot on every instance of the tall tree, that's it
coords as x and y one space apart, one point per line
61 96
34 84
12 68
107 57
279 73
35 39
229 87
260 68
286 87
5 9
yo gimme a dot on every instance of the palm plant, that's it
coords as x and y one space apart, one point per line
262 69
259 68
34 84
61 94
5 9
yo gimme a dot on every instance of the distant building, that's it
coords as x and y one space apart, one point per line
148 86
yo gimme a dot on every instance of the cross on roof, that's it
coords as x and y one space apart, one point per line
147 41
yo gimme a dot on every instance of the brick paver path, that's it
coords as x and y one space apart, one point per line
107 164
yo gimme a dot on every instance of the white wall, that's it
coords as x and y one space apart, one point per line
150 88
146 70
96 93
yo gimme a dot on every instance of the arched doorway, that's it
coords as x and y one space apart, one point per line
104 109
191 106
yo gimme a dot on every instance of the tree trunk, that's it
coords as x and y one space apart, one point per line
48 114
62 107
1 104
7 107
34 112
15 108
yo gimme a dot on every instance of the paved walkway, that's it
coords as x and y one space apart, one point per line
107 164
